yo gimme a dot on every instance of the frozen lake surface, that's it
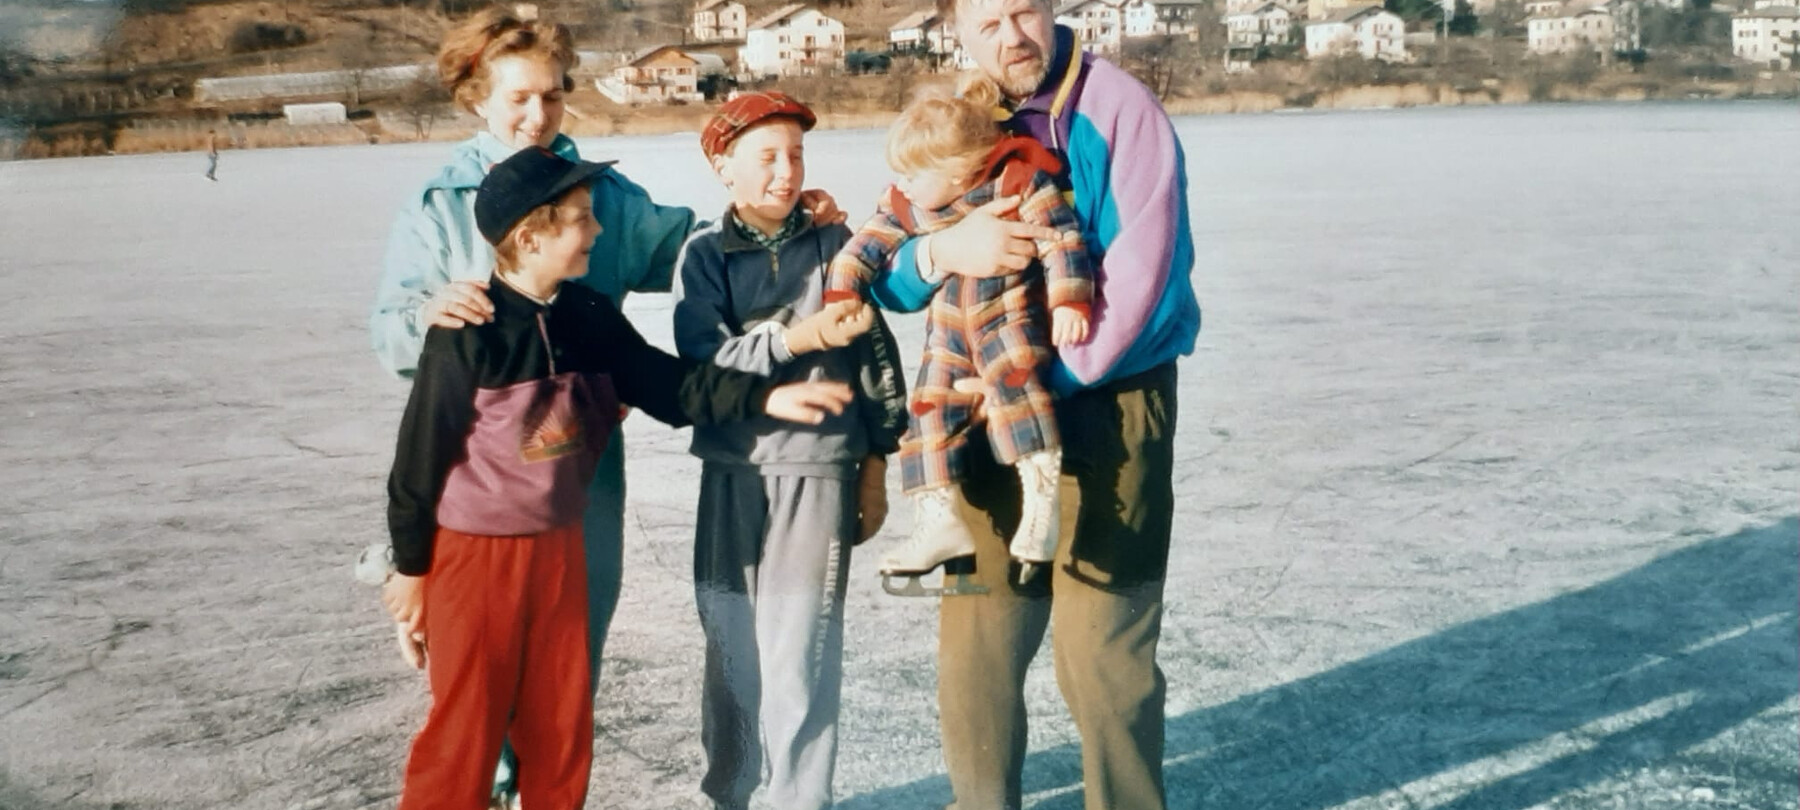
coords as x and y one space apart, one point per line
1488 463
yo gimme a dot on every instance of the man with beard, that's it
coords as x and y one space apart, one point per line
1116 406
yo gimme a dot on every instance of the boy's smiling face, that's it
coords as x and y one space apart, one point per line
765 168
554 250
566 249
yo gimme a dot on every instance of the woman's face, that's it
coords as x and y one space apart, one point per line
524 104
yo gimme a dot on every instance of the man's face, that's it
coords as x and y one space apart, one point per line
1012 41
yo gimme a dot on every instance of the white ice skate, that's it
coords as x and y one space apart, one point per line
1040 515
939 538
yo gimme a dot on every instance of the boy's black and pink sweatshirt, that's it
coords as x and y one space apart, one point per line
507 419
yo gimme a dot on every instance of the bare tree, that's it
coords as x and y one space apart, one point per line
902 78
1159 61
422 100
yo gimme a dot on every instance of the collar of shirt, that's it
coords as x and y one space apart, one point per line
796 222
511 285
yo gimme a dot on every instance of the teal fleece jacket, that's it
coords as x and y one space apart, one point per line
434 242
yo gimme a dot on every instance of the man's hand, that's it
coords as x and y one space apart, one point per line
984 244
822 206
1068 326
832 327
871 497
458 303
808 403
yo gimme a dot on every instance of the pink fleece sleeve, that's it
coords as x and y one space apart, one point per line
1135 216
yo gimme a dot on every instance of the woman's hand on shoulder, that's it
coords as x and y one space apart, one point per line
457 303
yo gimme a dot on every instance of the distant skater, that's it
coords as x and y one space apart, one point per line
212 155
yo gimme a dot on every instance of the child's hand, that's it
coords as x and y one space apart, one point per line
822 206
412 646
1068 326
458 303
832 327
807 403
871 497
404 598
978 393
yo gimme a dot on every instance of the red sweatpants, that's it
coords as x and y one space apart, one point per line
506 654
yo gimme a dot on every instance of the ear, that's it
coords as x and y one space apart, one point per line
718 167
524 240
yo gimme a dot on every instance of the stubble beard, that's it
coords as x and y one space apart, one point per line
1021 80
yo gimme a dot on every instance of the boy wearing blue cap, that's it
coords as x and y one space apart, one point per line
500 437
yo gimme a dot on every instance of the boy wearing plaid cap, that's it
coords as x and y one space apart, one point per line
500 437
953 159
780 505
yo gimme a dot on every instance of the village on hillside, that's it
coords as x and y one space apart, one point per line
343 76
800 39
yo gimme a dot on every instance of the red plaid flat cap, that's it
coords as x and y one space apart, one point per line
747 110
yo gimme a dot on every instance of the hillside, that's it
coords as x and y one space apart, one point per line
259 36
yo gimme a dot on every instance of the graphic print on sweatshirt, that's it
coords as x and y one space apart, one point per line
550 428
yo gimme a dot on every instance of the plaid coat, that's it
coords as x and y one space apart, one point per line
991 328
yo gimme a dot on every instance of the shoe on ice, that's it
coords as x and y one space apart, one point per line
1040 516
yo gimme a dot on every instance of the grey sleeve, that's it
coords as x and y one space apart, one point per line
706 328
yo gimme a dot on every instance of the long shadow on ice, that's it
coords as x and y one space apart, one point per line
1504 712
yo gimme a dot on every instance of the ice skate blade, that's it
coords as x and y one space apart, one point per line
956 581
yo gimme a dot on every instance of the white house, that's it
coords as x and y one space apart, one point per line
1767 36
940 41
654 75
719 21
1568 31
1584 25
1268 24
1181 17
1098 24
793 40
908 35
1369 31
1138 19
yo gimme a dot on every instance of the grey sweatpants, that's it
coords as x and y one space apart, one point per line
771 561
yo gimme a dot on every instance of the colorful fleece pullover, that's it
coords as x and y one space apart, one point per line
1126 171
508 419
